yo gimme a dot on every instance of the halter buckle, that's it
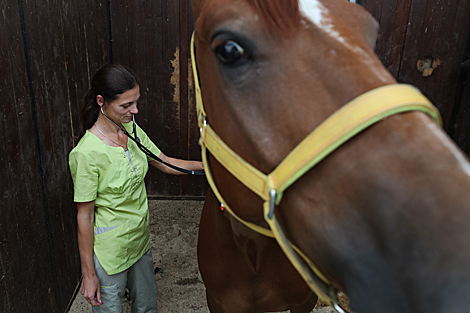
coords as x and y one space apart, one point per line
272 203
204 123
338 308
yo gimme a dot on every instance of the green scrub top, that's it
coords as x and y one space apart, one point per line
116 182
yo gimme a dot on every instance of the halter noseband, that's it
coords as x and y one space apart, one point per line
345 123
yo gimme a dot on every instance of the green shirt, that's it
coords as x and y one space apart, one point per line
105 174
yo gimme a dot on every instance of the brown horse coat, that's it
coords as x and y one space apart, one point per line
386 216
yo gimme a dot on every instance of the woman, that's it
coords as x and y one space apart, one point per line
108 172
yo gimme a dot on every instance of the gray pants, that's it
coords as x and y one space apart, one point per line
138 279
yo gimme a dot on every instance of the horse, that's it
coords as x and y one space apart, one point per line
385 217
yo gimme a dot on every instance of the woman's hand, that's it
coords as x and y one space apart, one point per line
91 290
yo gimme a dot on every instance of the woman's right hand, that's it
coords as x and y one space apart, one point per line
91 290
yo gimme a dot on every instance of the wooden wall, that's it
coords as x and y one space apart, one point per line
152 37
414 30
51 49
48 50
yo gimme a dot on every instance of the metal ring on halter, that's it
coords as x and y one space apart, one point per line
204 124
338 308
272 202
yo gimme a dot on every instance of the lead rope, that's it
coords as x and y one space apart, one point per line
320 286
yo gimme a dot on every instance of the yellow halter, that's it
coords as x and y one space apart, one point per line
348 121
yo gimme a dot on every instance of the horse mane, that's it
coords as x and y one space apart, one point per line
282 15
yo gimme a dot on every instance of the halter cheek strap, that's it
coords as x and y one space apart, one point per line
347 122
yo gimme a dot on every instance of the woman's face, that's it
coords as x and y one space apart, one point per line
124 106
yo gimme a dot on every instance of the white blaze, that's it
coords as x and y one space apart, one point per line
313 10
319 15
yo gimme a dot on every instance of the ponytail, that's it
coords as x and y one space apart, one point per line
88 112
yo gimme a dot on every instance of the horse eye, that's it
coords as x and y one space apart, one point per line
229 52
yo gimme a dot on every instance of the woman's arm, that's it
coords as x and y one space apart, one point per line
90 287
187 165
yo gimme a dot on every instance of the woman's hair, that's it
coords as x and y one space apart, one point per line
110 81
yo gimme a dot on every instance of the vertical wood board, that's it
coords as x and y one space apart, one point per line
411 31
156 48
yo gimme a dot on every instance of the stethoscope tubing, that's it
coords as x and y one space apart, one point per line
147 151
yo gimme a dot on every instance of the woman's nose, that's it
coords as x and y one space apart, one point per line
134 110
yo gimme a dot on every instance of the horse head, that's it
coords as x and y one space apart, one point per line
385 217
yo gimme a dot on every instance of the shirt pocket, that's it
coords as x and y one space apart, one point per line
110 246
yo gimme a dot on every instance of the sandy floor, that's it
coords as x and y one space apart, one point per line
173 236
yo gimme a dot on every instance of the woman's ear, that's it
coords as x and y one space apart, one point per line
100 100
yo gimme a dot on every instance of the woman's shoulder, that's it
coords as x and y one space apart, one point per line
88 145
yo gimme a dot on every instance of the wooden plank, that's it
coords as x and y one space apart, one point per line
136 41
197 185
461 128
152 38
5 305
374 7
155 119
460 123
22 229
76 66
119 30
185 38
50 112
39 122
75 63
86 48
171 87
51 87
94 17
435 30
392 16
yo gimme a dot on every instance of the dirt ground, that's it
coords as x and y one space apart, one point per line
173 236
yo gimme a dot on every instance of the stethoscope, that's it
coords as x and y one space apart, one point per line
147 151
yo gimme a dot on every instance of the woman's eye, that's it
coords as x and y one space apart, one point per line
229 52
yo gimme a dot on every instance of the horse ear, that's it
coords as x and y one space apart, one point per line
367 26
371 29
196 6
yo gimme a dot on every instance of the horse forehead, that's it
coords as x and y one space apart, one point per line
219 11
319 15
226 7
